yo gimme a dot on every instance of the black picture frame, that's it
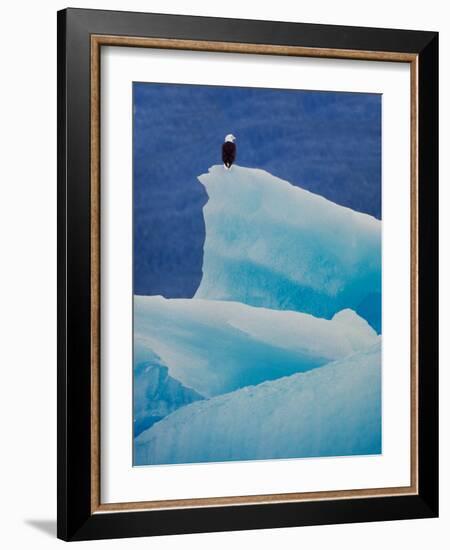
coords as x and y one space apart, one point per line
76 521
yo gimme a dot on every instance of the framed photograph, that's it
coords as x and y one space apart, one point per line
247 256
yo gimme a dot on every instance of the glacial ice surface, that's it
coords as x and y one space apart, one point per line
271 244
277 355
334 410
216 347
156 394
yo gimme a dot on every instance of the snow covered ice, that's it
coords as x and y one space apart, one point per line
215 347
271 244
156 394
278 354
331 411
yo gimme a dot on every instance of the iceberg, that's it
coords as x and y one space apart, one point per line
215 347
156 394
334 410
274 245
278 354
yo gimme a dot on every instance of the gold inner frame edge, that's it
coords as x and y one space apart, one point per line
97 41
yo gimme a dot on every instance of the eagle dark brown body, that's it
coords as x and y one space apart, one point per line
228 153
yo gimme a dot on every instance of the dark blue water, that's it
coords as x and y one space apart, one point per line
326 142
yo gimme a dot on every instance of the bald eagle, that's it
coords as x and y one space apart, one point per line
229 151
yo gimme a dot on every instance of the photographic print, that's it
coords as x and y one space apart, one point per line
257 272
247 274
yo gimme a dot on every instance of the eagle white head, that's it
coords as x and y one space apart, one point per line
230 137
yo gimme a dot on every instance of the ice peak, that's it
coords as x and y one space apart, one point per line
269 243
